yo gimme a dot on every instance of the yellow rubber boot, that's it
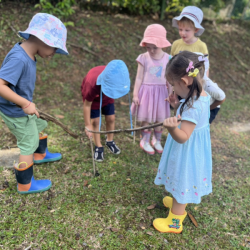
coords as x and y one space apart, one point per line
168 201
172 224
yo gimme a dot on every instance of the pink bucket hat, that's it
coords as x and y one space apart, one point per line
155 34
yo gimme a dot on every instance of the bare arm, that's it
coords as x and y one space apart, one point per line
138 82
216 103
182 134
5 92
86 115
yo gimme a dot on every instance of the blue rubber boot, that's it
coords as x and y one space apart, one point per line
42 154
26 183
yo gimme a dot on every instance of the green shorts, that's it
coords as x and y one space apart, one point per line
26 130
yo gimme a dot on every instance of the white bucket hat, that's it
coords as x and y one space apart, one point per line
193 13
48 29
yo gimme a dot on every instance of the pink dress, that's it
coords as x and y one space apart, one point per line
153 91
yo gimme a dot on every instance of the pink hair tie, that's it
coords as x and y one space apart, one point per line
190 66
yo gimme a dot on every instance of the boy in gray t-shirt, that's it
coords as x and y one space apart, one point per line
45 36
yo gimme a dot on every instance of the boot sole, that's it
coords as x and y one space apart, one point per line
35 191
48 160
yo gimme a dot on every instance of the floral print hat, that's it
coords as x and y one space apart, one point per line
48 29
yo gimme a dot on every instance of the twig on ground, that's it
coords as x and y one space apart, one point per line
241 63
85 49
10 25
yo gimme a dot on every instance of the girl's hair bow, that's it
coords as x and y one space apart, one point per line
194 73
190 66
202 59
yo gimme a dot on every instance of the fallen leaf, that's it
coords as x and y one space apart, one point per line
113 173
192 219
52 211
128 179
87 174
235 132
89 186
143 227
59 116
151 206
149 233
85 184
66 170
195 208
113 229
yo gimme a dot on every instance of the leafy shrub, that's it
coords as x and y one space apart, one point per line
62 9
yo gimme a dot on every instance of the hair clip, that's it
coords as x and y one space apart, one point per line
190 66
202 59
194 73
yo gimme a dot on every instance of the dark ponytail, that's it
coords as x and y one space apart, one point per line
176 69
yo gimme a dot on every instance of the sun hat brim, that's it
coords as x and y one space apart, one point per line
156 41
26 34
196 24
114 79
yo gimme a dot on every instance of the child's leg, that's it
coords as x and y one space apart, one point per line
25 158
109 112
145 138
110 125
178 208
95 127
26 133
42 154
156 140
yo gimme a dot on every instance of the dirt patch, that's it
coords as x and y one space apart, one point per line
240 127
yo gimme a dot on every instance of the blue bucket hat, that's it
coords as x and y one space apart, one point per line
114 79
48 29
114 82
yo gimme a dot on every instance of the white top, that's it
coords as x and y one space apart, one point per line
216 93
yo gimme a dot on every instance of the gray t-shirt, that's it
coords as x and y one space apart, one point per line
19 70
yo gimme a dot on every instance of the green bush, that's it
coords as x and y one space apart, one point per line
62 9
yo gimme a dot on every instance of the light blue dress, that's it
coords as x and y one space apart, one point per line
186 169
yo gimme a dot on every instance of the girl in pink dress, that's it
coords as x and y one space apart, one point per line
151 87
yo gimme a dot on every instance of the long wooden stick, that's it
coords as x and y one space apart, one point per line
92 150
127 130
48 117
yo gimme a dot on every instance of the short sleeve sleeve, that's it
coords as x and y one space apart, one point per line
204 49
192 114
173 49
141 59
11 71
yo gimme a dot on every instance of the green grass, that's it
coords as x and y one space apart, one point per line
110 212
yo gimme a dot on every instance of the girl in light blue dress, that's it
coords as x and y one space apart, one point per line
185 168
